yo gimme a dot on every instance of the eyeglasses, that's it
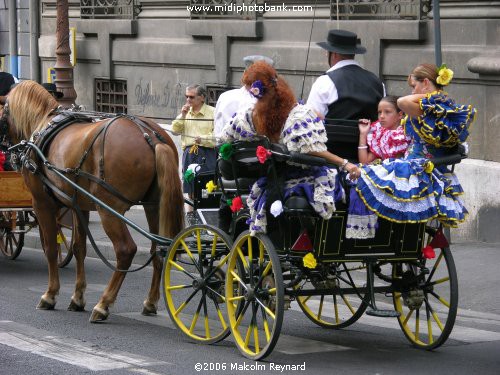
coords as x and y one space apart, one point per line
190 96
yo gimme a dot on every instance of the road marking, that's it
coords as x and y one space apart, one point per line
287 344
71 351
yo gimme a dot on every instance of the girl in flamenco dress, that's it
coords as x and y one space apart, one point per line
411 189
380 140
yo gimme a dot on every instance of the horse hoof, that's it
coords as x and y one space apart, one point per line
149 309
73 306
45 305
98 315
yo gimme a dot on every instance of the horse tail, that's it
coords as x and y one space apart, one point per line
171 198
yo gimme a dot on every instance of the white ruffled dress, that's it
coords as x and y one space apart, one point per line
303 132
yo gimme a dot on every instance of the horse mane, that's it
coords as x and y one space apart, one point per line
30 106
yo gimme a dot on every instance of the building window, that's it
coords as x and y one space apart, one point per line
110 96
213 93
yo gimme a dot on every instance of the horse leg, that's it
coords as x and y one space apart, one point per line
48 234
125 249
150 305
80 252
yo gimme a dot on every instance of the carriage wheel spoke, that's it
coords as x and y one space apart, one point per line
242 257
417 325
266 324
191 256
440 299
410 313
436 265
268 311
217 293
219 314
348 304
176 287
440 281
185 303
180 268
239 280
240 318
320 309
336 307
195 317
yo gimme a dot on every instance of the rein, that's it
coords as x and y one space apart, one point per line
25 147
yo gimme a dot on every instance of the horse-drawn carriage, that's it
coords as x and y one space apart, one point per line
217 283
17 219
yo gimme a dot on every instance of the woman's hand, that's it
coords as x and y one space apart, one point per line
354 171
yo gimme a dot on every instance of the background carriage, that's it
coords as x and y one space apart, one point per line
17 219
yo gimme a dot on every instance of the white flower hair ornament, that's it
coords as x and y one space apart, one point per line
257 89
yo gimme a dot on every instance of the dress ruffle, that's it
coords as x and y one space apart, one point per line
401 191
444 123
387 143
303 132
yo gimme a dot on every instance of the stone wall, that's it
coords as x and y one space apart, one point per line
163 50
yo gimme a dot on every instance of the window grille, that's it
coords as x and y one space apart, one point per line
213 93
110 96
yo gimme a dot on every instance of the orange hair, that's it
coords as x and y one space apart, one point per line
270 111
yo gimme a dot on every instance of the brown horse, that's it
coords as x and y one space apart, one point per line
139 170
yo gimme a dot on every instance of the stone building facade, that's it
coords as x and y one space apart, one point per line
138 56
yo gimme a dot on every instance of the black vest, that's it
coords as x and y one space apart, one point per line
359 92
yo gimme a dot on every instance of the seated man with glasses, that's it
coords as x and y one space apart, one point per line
196 126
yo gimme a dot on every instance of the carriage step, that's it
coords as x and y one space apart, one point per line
382 313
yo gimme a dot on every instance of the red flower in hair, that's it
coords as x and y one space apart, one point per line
236 204
262 154
428 252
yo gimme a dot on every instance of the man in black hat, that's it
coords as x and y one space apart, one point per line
346 91
6 82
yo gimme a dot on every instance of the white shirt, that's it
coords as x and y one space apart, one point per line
323 91
228 104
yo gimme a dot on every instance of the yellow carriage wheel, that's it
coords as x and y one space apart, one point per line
427 299
341 304
194 273
254 295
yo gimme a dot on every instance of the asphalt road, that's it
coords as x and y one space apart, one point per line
54 342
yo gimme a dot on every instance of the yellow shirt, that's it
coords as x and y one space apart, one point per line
191 127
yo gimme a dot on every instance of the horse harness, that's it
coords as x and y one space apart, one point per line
43 139
62 120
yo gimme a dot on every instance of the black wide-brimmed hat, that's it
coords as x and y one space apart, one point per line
6 81
52 88
344 42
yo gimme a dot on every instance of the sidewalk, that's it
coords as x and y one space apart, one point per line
477 263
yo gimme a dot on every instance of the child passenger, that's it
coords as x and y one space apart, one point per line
385 138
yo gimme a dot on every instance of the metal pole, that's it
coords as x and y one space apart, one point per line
63 67
14 61
437 32
34 59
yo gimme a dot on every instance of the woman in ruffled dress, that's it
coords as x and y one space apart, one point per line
279 117
384 138
411 190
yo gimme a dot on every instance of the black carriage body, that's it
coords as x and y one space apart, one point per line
393 241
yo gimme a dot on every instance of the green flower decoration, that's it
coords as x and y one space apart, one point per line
188 175
225 151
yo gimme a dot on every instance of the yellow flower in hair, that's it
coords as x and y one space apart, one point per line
429 166
210 186
445 75
309 261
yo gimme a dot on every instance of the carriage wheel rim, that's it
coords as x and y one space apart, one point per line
261 290
201 286
427 326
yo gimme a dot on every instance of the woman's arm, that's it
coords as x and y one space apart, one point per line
353 170
410 104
